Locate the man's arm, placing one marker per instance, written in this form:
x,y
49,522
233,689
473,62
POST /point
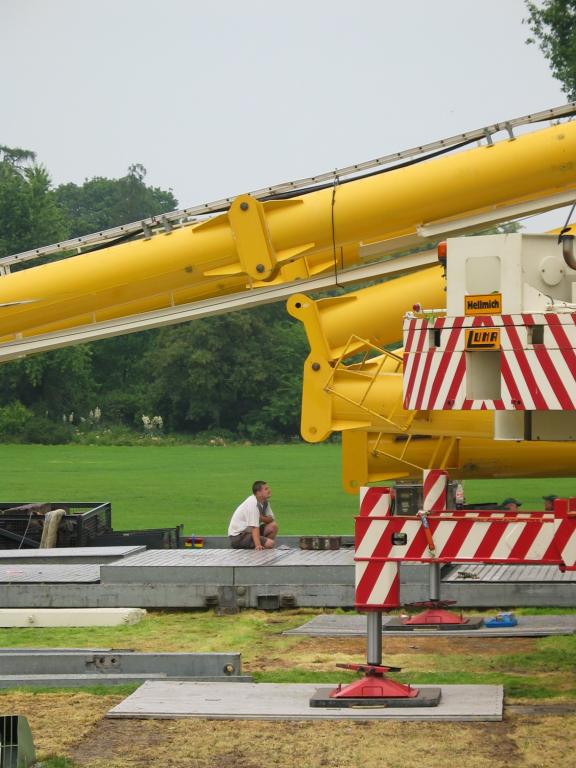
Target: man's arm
x,y
265,519
256,538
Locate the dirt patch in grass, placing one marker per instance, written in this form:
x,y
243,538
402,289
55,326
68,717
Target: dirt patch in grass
x,y
58,721
312,652
246,744
558,709
492,646
545,742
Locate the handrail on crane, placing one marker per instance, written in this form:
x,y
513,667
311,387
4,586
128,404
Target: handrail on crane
x,y
188,216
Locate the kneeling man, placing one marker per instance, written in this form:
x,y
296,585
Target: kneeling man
x,y
253,525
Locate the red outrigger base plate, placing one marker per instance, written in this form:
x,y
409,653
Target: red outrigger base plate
x,y
374,686
436,616
375,690
430,622
419,697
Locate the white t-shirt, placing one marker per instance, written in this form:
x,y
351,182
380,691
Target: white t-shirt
x,y
246,515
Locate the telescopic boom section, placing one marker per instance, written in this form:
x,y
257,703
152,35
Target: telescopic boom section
x,y
372,457
256,244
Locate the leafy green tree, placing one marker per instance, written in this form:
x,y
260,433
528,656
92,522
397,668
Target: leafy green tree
x,y
29,214
121,377
553,24
76,379
102,203
239,372
52,385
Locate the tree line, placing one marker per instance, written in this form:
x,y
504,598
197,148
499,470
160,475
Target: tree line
x,y
231,376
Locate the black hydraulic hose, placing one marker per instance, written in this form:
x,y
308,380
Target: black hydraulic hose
x,y
306,190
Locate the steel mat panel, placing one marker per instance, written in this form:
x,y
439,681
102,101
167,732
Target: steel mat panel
x,y
48,574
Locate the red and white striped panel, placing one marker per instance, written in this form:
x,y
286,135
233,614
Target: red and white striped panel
x,y
376,562
375,502
533,376
525,538
434,490
377,585
565,511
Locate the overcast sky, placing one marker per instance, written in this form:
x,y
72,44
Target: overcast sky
x,y
215,99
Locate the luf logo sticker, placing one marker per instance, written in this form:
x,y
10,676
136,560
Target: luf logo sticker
x,y
483,338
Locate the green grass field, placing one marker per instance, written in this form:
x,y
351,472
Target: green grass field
x,y
199,486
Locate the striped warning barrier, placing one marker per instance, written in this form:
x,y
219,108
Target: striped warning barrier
x,y
375,502
434,490
505,537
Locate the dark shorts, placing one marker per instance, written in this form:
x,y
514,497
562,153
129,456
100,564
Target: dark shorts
x,y
244,540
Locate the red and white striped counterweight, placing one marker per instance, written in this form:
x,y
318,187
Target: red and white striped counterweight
x,y
493,362
507,339
384,541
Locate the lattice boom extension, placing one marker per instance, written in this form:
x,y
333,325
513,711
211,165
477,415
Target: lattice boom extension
x,y
485,536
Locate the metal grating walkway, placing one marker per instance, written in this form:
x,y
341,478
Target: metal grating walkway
x,y
67,555
49,574
508,573
235,558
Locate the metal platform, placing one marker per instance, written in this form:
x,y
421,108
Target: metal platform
x,y
233,566
67,555
282,701
482,586
327,625
48,574
505,574
268,579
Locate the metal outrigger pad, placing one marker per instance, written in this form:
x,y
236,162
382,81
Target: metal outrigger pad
x,y
374,689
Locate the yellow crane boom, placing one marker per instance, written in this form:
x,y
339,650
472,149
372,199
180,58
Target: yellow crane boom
x,y
255,243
